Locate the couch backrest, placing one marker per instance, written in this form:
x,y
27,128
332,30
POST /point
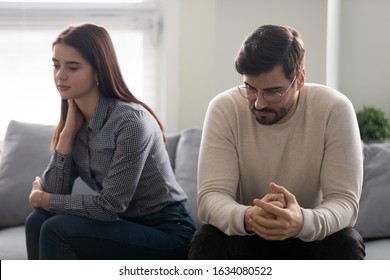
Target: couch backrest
x,y
184,153
25,153
1,148
172,140
373,219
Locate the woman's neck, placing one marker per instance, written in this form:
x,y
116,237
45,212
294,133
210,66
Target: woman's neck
x,y
87,106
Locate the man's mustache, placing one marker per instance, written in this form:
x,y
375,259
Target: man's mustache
x,y
263,110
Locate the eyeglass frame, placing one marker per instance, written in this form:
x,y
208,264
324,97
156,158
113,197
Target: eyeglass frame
x,y
246,87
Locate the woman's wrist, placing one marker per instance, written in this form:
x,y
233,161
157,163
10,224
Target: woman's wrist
x,y
36,198
67,134
65,143
40,199
44,201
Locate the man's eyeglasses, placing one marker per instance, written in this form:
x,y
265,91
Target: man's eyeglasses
x,y
270,96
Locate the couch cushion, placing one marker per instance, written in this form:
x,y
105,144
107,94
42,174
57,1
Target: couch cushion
x,y
26,153
13,243
374,219
378,249
186,167
172,140
1,148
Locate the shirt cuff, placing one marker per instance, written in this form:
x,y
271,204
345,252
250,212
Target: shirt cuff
x,y
307,232
61,161
56,204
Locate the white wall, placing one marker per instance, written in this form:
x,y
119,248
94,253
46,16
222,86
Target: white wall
x,y
210,34
364,65
197,60
235,19
347,47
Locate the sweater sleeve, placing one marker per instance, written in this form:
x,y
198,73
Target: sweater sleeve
x,y
218,171
341,177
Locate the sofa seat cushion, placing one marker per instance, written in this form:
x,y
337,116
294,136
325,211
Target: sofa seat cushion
x,y
13,243
378,249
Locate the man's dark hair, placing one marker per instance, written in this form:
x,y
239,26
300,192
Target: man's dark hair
x,y
268,46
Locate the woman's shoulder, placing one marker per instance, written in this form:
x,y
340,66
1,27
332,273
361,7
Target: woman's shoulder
x,y
128,112
131,116
128,109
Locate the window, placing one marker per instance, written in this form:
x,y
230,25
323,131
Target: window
x,y
27,29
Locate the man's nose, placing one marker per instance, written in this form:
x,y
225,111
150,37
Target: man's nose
x,y
260,102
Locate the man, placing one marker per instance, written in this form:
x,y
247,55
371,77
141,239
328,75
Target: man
x,y
280,164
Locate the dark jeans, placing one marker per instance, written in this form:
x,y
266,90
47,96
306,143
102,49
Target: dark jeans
x,y
210,243
162,235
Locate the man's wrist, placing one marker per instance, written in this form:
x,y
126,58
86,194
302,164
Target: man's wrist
x,y
247,221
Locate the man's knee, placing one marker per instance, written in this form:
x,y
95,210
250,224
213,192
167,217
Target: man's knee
x,y
345,244
210,243
207,243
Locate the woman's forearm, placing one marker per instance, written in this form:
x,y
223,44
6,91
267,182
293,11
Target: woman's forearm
x,y
65,143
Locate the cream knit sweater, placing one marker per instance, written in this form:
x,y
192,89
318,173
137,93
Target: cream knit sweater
x,y
316,155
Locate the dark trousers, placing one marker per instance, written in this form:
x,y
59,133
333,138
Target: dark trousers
x,y
162,235
209,243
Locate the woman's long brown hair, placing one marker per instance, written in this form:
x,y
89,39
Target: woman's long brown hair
x,y
94,43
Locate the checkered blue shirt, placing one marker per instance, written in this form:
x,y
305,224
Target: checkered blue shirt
x,y
122,156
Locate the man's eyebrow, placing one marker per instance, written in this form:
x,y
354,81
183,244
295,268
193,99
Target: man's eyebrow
x,y
265,89
249,85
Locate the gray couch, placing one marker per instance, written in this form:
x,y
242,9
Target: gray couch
x,y
24,153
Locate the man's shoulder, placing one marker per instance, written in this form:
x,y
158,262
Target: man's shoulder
x,y
322,93
228,98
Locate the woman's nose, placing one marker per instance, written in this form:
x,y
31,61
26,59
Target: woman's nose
x,y
61,75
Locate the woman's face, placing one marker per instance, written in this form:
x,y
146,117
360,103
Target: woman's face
x,y
74,77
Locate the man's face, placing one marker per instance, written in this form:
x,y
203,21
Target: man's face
x,y
268,113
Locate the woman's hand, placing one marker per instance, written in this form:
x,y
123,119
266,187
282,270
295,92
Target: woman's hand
x,y
38,197
36,194
74,121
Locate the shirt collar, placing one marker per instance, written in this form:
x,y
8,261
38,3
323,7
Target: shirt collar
x,y
101,114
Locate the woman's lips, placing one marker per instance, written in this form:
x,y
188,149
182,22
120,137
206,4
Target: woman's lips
x,y
62,87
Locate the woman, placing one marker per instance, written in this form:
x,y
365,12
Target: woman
x,y
115,143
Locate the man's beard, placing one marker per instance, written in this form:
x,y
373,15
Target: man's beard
x,y
280,114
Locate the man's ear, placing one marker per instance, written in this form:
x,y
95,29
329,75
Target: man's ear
x,y
301,78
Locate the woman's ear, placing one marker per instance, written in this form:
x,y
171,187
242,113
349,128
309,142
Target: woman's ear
x,y
96,79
